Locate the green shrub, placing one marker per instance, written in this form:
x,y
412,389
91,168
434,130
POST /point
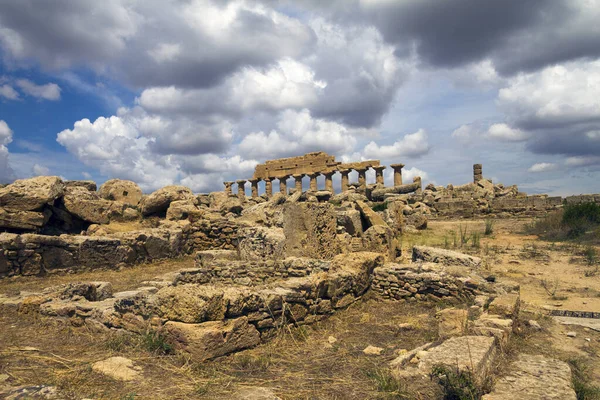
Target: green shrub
x,y
489,227
386,383
157,342
456,384
583,381
379,206
572,222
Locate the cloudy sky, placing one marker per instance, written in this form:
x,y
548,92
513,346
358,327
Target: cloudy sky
x,y
199,91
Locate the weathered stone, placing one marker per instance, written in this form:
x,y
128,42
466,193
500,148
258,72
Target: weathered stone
x,y
31,194
159,201
89,185
507,305
119,368
183,209
466,353
350,221
260,243
124,191
369,215
419,221
89,207
534,377
372,350
446,257
191,303
452,322
23,220
379,194
213,339
255,393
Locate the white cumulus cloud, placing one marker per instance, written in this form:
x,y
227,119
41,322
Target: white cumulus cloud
x,y
507,133
411,145
49,91
543,167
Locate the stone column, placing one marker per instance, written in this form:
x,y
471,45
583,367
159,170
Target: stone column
x,y
417,179
298,178
362,178
228,191
283,184
241,189
269,187
329,182
379,174
344,173
313,181
254,183
397,173
477,173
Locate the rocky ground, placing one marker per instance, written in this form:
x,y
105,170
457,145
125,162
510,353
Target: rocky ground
x,y
347,356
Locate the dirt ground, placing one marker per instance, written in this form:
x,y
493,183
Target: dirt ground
x,y
322,361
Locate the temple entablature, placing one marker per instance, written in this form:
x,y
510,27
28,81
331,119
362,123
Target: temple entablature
x,y
314,165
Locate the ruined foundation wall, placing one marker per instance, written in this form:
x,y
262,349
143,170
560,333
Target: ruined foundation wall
x,y
411,282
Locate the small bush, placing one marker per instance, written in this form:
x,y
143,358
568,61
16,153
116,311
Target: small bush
x,y
582,381
380,207
456,384
386,383
464,237
489,227
157,342
476,240
590,254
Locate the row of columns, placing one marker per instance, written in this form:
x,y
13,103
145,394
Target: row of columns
x,y
362,181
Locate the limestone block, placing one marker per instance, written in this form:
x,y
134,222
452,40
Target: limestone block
x,y
89,207
206,258
507,305
89,185
183,209
261,243
158,202
534,377
127,192
23,220
452,322
443,256
119,368
350,221
467,353
213,339
369,215
190,303
31,194
255,393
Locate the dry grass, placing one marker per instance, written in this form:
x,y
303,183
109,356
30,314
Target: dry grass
x,y
299,363
121,279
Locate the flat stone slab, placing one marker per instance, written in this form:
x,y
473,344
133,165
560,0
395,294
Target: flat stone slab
x,y
591,323
467,353
119,368
535,378
443,256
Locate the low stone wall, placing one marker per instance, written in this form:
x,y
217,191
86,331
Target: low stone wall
x,y
250,273
210,320
32,254
424,281
218,233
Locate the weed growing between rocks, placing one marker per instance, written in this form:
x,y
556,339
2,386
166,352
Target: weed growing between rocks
x,y
582,380
489,227
579,222
387,384
456,384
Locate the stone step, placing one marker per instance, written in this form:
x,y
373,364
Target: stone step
x,y
535,377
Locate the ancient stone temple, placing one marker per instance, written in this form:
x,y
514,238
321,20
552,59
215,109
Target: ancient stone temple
x,y
312,165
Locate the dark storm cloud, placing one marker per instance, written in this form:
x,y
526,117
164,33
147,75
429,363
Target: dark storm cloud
x,y
149,43
517,35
